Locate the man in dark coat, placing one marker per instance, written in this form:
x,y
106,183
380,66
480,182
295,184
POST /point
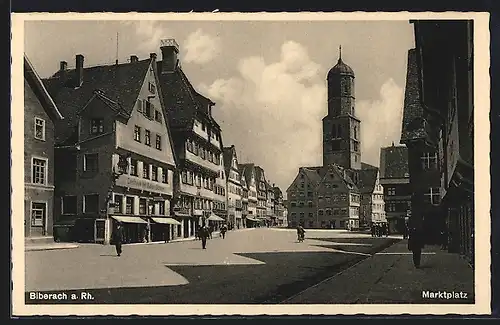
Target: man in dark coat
x,y
416,243
204,234
118,238
223,230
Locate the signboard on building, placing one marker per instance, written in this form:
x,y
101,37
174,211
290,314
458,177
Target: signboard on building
x,y
142,184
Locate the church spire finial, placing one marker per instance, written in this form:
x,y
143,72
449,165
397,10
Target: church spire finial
x,y
340,52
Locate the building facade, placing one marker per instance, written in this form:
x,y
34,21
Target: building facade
x,y
248,170
372,207
279,207
198,146
440,134
261,187
233,188
270,217
114,115
395,178
244,197
40,113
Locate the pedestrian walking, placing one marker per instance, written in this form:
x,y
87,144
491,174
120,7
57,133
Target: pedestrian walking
x,y
373,229
416,244
223,230
204,234
118,238
211,230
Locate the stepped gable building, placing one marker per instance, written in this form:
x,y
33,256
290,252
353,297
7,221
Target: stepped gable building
x,y
116,150
244,195
329,196
200,185
395,178
40,115
261,188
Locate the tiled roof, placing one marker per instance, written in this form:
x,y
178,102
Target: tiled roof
x,y
312,174
247,169
366,180
413,112
394,162
121,83
36,84
181,99
367,166
227,155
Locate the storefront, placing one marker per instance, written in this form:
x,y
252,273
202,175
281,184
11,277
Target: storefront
x,y
135,229
251,222
163,228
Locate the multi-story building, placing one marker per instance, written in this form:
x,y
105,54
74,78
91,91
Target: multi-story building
x,y
244,196
372,208
270,217
233,187
261,185
279,208
423,162
395,178
116,150
198,145
333,190
248,170
438,128
40,114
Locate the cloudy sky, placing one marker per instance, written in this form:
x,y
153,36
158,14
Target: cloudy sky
x,y
268,79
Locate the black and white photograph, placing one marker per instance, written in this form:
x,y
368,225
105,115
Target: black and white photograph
x,y
250,163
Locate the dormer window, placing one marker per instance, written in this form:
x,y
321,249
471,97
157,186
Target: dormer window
x,y
96,126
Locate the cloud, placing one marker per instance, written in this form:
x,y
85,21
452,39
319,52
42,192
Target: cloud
x,y
150,34
272,112
201,48
380,121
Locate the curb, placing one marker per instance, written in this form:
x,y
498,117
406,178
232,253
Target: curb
x,y
48,248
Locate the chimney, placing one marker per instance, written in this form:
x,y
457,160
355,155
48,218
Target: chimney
x,y
169,51
79,70
63,66
152,56
134,59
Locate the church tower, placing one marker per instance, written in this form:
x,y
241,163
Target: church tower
x,y
341,128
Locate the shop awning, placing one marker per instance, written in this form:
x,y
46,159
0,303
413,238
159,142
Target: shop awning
x,y
252,219
166,221
213,217
127,219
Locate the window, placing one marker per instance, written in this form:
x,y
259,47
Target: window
x,y
38,214
355,130
391,207
39,171
311,215
129,205
142,206
68,204
328,212
302,215
148,109
147,137
356,146
391,191
133,167
39,129
335,145
164,176
184,176
154,173
118,203
161,208
429,160
137,133
309,193
339,131
158,142
145,170
433,196
91,162
152,88
320,212
157,116
91,203
96,126
309,204
334,131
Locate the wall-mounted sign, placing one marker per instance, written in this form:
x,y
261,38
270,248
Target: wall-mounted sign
x,y
142,184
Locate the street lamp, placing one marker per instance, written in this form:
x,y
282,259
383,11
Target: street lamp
x,y
122,168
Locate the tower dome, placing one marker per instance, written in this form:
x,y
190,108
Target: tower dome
x,y
340,68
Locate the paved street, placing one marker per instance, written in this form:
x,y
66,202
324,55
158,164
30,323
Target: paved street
x,y
250,266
